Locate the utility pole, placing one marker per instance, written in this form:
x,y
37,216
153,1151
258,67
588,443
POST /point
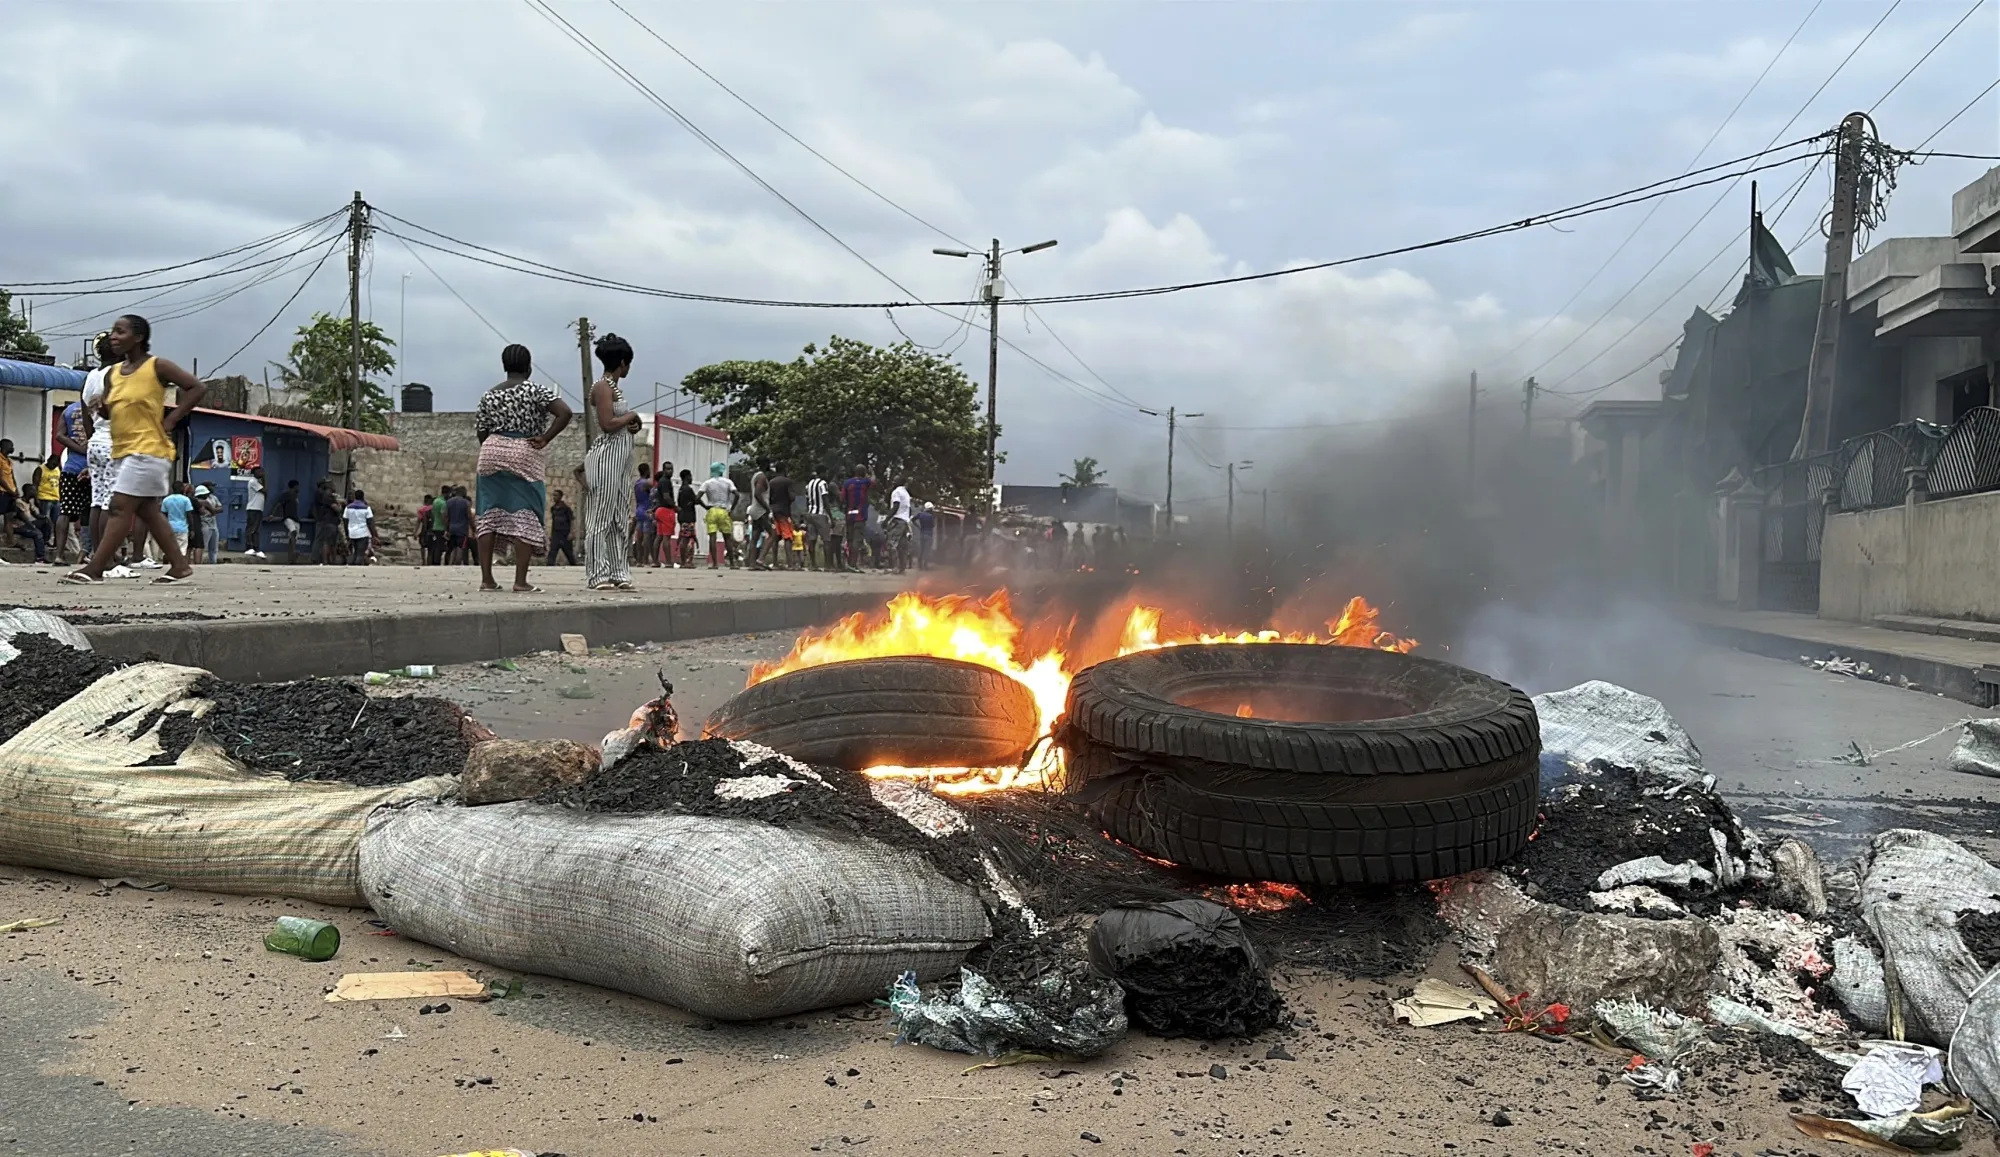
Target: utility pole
x,y
992,293
1264,519
583,360
1471,430
1816,430
991,290
1528,408
1229,519
1173,416
357,235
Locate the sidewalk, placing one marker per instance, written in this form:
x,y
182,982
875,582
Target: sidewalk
x,y
264,623
1961,668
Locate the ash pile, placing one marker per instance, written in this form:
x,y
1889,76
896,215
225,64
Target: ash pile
x,y
1644,915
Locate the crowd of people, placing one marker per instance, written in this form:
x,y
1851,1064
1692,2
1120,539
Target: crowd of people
x,y
110,489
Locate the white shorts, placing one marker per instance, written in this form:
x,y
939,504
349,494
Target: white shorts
x,y
141,475
99,457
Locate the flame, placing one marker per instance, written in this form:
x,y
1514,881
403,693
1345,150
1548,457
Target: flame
x,y
988,633
1266,896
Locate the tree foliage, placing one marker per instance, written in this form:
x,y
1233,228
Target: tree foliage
x,y
1083,474
14,332
321,364
909,414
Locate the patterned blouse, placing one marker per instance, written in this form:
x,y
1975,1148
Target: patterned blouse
x,y
514,410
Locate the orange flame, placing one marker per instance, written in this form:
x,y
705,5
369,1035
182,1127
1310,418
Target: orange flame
x,y
1267,896
988,633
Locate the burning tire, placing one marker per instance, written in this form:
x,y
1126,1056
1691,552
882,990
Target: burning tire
x,y
1307,764
909,711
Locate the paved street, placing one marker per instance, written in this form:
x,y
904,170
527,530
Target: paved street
x,y
153,1023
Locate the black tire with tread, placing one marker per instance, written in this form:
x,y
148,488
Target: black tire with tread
x,y
910,710
1448,786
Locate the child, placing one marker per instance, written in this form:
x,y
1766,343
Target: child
x,y
663,534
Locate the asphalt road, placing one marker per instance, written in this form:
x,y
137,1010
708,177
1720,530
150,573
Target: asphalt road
x,y
1772,732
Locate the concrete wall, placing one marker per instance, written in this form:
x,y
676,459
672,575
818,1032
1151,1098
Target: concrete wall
x,y
1926,362
1935,558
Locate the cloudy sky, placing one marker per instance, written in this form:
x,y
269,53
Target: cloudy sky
x,y
1158,142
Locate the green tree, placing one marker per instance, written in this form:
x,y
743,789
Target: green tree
x,y
322,365
14,332
909,414
1083,474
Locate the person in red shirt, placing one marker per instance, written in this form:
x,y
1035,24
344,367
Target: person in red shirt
x,y
663,527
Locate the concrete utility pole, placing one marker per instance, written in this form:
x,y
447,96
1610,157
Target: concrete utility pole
x,y
992,289
1816,430
1264,520
583,360
357,235
1471,429
1528,407
1229,519
1172,421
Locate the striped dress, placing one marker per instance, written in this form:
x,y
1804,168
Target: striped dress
x,y
605,502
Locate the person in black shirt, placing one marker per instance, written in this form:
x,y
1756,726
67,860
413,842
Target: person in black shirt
x,y
779,542
560,517
287,515
687,512
327,535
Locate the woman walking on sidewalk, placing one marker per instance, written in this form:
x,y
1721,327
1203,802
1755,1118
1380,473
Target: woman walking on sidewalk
x,y
517,420
604,470
142,448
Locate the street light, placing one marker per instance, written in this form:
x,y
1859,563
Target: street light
x,y
992,290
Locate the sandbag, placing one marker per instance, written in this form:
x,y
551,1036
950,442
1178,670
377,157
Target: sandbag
x,y
25,620
726,918
75,798
1975,1048
1599,720
1913,886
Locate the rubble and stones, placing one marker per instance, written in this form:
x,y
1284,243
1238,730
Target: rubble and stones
x,y
41,677
500,770
324,730
1602,819
1579,959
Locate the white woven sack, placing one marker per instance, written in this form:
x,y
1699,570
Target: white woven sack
x,y
74,798
726,918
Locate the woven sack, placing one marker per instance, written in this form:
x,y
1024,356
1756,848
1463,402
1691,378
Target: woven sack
x,y
727,918
74,798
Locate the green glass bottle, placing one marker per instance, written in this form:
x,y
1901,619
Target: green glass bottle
x,y
304,938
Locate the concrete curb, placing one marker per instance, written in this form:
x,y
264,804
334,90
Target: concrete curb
x,y
273,650
1958,681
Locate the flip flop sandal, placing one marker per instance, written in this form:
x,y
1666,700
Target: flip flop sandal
x,y
79,579
527,590
167,580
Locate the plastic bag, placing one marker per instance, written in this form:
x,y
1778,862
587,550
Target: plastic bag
x,y
1065,1012
1187,969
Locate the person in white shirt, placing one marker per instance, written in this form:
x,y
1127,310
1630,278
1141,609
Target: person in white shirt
x,y
902,524
360,530
97,453
253,515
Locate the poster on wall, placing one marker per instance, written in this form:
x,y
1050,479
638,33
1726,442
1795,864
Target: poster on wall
x,y
246,452
218,453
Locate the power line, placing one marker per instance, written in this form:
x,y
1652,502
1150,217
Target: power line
x,y
1689,232
263,241
761,115
281,309
1976,6
190,306
191,280
556,380
1606,264
1961,112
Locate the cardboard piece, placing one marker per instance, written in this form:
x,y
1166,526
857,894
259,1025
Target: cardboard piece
x,y
1435,1002
403,985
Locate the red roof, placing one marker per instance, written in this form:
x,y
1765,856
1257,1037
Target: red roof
x,y
336,437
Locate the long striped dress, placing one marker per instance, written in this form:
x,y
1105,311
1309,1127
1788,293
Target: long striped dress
x,y
606,500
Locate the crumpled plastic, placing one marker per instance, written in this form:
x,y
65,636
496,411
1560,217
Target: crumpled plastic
x,y
981,1019
1938,1129
1890,1079
1657,1034
1187,968
655,725
1657,872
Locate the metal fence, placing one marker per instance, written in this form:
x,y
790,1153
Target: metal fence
x,y
1968,456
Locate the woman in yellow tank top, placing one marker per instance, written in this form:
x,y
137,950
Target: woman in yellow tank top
x,y
142,448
